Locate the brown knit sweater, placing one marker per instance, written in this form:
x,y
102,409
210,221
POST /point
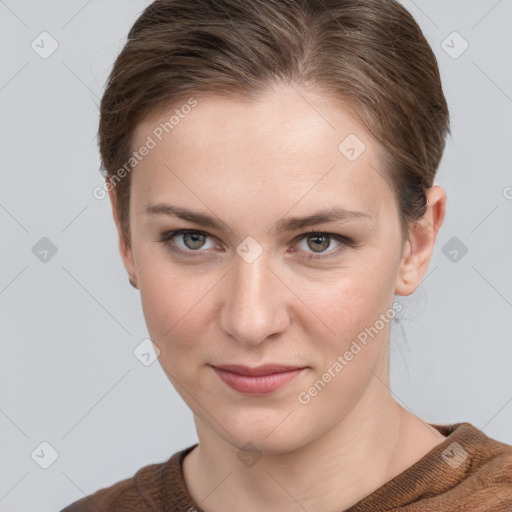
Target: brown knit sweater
x,y
467,472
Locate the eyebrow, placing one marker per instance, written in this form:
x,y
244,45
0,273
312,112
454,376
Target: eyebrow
x,y
284,225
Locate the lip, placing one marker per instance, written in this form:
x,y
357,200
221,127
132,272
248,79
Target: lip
x,y
259,380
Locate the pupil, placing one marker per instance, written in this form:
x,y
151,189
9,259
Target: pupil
x,y
324,245
195,241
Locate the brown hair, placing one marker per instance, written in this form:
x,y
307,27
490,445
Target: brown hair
x,y
369,54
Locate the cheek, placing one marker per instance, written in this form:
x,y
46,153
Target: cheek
x,y
358,310
174,302
344,302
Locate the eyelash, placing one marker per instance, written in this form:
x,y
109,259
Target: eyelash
x,y
166,240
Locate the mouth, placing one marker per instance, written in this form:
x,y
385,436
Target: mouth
x,y
259,380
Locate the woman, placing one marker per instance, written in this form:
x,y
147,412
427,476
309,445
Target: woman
x,y
271,169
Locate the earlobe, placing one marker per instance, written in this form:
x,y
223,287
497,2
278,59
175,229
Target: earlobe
x,y
124,249
420,244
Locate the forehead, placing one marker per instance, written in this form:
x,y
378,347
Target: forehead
x,y
286,144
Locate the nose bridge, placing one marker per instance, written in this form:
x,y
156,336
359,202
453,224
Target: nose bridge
x,y
252,308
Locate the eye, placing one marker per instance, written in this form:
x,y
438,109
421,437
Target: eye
x,y
319,241
192,241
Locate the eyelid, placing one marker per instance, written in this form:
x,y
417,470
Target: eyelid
x,y
166,239
312,256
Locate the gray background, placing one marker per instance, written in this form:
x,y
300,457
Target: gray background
x,y
70,324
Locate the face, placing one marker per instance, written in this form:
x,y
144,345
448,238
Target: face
x,y
249,286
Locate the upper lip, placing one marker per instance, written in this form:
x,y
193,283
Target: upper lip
x,y
259,370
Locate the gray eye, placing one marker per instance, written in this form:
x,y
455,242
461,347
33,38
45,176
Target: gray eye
x,y
193,240
320,242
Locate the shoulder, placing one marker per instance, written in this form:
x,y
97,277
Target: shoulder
x,y
467,471
481,468
125,495
148,490
491,462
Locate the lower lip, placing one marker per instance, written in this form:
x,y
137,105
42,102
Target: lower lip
x,y
257,384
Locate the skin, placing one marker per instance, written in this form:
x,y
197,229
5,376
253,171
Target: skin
x,y
250,165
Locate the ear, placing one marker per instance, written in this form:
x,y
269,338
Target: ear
x,y
124,248
420,243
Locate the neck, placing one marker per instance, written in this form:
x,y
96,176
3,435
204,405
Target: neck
x,y
375,442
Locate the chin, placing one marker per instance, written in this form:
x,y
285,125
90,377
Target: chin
x,y
272,437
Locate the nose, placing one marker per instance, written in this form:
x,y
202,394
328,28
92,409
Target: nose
x,y
255,305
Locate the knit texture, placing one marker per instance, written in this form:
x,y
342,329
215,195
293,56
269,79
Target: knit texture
x,y
467,472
